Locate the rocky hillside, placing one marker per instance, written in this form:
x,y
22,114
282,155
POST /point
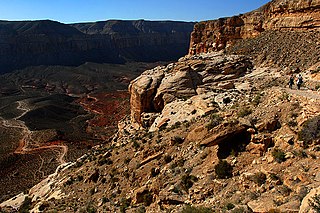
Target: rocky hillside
x,y
212,132
276,16
30,43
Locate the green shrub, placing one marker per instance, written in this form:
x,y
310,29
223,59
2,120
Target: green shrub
x,y
167,158
124,204
256,100
187,181
25,207
177,140
230,206
223,169
259,178
310,130
135,144
215,120
278,155
244,112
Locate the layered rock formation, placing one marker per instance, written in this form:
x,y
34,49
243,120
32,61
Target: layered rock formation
x,y
278,15
27,43
191,76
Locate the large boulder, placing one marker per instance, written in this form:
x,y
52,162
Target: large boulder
x,y
177,82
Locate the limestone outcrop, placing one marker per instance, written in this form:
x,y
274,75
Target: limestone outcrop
x,y
172,84
277,15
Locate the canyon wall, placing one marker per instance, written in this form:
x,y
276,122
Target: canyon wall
x,y
277,15
31,43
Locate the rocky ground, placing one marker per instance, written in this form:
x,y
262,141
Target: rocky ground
x,y
254,148
283,49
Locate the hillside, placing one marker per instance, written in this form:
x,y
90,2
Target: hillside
x,y
217,131
45,42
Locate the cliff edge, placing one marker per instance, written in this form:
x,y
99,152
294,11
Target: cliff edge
x,y
277,15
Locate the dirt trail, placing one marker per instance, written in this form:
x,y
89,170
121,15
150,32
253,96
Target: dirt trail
x,y
305,93
26,133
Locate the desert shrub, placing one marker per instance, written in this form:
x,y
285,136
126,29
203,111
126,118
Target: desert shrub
x,y
230,206
124,204
25,207
192,209
310,130
300,153
127,160
317,87
187,181
104,161
244,112
256,100
292,123
259,178
135,144
147,199
167,158
177,140
223,169
284,97
278,155
284,190
215,120
141,209
314,202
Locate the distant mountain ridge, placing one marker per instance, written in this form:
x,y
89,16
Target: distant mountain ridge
x,y
46,42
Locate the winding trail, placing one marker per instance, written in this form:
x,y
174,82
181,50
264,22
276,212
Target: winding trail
x,y
304,92
27,140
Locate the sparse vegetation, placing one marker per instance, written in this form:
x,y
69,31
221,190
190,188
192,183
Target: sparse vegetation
x,y
223,169
310,131
187,181
215,120
256,100
244,111
259,178
278,155
25,207
230,206
177,140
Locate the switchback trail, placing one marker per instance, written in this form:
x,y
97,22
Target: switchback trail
x,y
26,140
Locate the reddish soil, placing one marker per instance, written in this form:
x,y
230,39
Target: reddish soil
x,y
108,109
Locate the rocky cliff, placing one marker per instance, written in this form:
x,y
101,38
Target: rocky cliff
x,y
277,15
29,43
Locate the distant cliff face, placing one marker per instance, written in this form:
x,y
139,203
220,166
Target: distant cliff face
x,y
278,15
27,43
144,40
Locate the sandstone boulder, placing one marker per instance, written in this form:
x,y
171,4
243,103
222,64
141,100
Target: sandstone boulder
x,y
305,204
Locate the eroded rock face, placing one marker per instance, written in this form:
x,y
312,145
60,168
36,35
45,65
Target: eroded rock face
x,y
177,82
45,42
277,15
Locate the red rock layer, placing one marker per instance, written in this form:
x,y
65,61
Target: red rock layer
x,y
277,15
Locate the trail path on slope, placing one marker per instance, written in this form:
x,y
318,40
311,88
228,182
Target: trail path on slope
x,y
26,139
304,93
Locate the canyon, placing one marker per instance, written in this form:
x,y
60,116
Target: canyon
x,y
46,42
218,130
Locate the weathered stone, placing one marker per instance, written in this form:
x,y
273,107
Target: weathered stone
x,y
224,132
226,85
218,34
305,206
262,205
